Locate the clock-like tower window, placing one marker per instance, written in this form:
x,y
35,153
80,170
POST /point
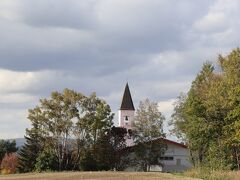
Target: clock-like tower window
x,y
126,118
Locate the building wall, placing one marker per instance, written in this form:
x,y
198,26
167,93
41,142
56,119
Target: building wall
x,y
179,163
126,124
180,160
121,119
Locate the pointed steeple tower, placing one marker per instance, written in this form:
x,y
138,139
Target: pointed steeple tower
x,y
127,103
126,111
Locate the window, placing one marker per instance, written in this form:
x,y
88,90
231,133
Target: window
x,y
126,124
126,118
129,134
167,158
178,162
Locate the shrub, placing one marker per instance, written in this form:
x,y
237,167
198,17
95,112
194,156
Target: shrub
x,y
46,161
88,163
9,163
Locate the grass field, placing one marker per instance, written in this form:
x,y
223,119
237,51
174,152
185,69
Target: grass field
x,y
94,176
212,175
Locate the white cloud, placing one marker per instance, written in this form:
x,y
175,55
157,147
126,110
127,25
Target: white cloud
x,y
219,26
16,98
15,81
9,9
166,106
13,123
222,15
212,22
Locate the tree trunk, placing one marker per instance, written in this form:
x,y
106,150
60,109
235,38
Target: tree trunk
x,y
193,161
237,158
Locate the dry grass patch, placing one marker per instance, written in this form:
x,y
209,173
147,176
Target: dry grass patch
x,y
213,175
95,176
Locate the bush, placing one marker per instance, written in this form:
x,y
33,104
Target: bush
x,y
46,161
9,163
88,163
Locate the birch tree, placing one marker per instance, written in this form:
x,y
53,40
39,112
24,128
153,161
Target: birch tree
x,y
67,125
148,126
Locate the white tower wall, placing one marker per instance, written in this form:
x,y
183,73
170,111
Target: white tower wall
x,y
126,122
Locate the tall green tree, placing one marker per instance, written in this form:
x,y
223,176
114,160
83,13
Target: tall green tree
x,y
108,152
117,139
54,118
190,115
148,126
109,149
28,154
208,116
65,126
198,116
95,118
230,66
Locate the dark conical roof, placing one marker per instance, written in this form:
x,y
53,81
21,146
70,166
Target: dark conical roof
x,y
127,103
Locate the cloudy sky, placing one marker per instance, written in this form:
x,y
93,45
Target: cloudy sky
x,y
158,46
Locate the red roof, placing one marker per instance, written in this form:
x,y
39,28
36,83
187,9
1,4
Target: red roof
x,y
173,142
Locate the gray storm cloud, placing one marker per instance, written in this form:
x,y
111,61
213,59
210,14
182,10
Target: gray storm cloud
x,y
99,45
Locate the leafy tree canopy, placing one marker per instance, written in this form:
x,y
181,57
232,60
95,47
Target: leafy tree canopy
x,y
208,116
148,126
